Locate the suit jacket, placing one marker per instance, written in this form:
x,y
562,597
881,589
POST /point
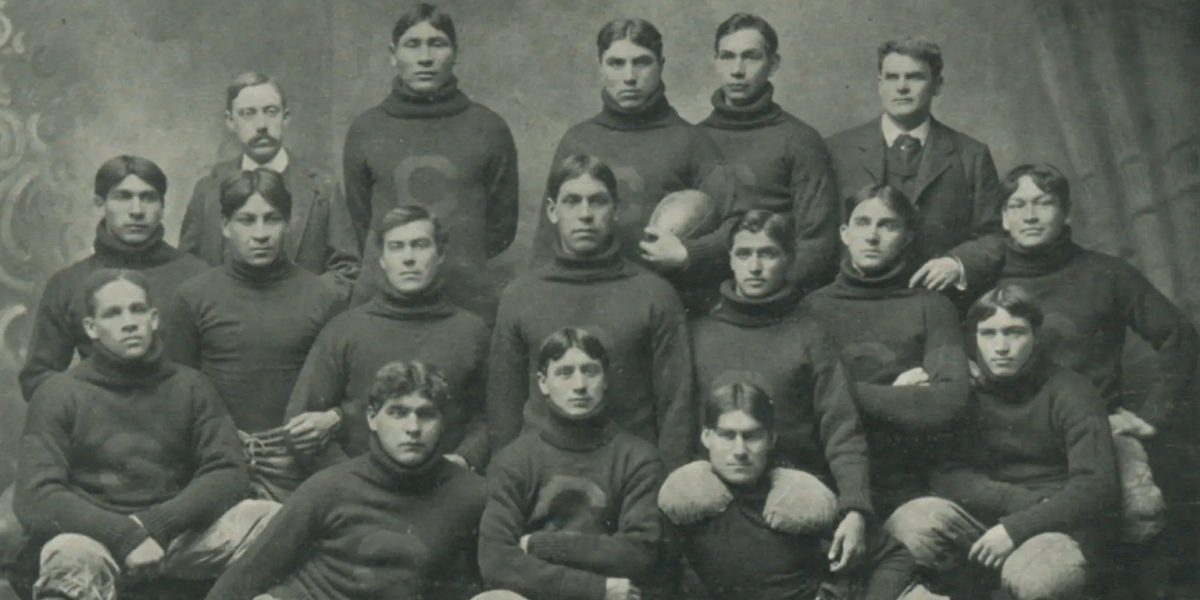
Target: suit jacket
x,y
957,189
320,236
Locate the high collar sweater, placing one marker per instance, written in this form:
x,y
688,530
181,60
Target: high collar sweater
x,y
788,351
1090,300
781,165
584,491
450,154
367,528
883,328
115,437
653,152
639,318
249,330
58,325
1037,456
351,349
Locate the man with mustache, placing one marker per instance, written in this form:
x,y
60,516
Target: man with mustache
x,y
130,192
129,470
320,237
948,176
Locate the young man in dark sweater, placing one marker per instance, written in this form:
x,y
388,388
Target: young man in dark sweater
x,y
129,469
949,176
902,347
409,319
570,513
428,143
1029,492
751,532
759,328
320,237
249,324
589,284
399,521
653,152
130,191
780,162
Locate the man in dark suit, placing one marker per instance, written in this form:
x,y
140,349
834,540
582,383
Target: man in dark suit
x,y
320,236
948,176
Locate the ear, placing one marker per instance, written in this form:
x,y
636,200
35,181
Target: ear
x,y
287,113
844,234
372,416
89,327
225,227
909,236
229,122
552,210
937,85
154,319
706,438
543,384
392,55
98,200
773,65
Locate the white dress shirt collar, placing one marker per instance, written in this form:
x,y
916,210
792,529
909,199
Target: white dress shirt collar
x,y
277,164
891,130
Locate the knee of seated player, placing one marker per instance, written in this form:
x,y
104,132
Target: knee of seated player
x,y
76,566
935,530
498,595
205,553
1048,565
1143,510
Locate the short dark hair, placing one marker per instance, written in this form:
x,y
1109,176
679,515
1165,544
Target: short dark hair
x,y
238,187
639,31
424,12
102,277
740,395
116,169
559,342
398,379
251,79
578,165
1047,177
891,197
411,213
777,226
1014,299
740,21
917,48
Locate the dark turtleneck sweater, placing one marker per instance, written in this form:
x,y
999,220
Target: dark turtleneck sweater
x,y
639,318
450,154
1090,301
882,329
653,152
115,437
249,330
791,353
367,528
58,325
782,166
585,493
429,328
1037,455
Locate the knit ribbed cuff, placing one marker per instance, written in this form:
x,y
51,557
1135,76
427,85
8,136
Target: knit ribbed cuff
x,y
581,584
162,524
553,546
1019,529
121,536
704,250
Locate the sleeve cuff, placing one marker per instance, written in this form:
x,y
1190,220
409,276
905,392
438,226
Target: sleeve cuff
x,y
703,250
122,538
161,524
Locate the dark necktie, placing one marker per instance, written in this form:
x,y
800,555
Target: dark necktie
x,y
909,151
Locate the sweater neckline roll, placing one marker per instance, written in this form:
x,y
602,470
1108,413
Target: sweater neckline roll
x,y
110,371
384,470
654,113
605,266
759,112
279,270
1023,385
1022,262
403,103
576,434
430,303
757,312
891,283
115,253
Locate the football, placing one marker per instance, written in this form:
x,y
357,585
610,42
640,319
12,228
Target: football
x,y
686,213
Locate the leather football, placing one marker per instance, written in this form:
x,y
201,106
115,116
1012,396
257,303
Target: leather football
x,y
686,213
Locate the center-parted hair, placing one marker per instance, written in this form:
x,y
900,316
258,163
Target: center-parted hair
x,y
558,343
425,12
638,31
251,79
102,277
892,198
411,213
240,186
116,169
740,21
578,165
399,379
778,227
1012,298
1047,177
741,396
917,48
